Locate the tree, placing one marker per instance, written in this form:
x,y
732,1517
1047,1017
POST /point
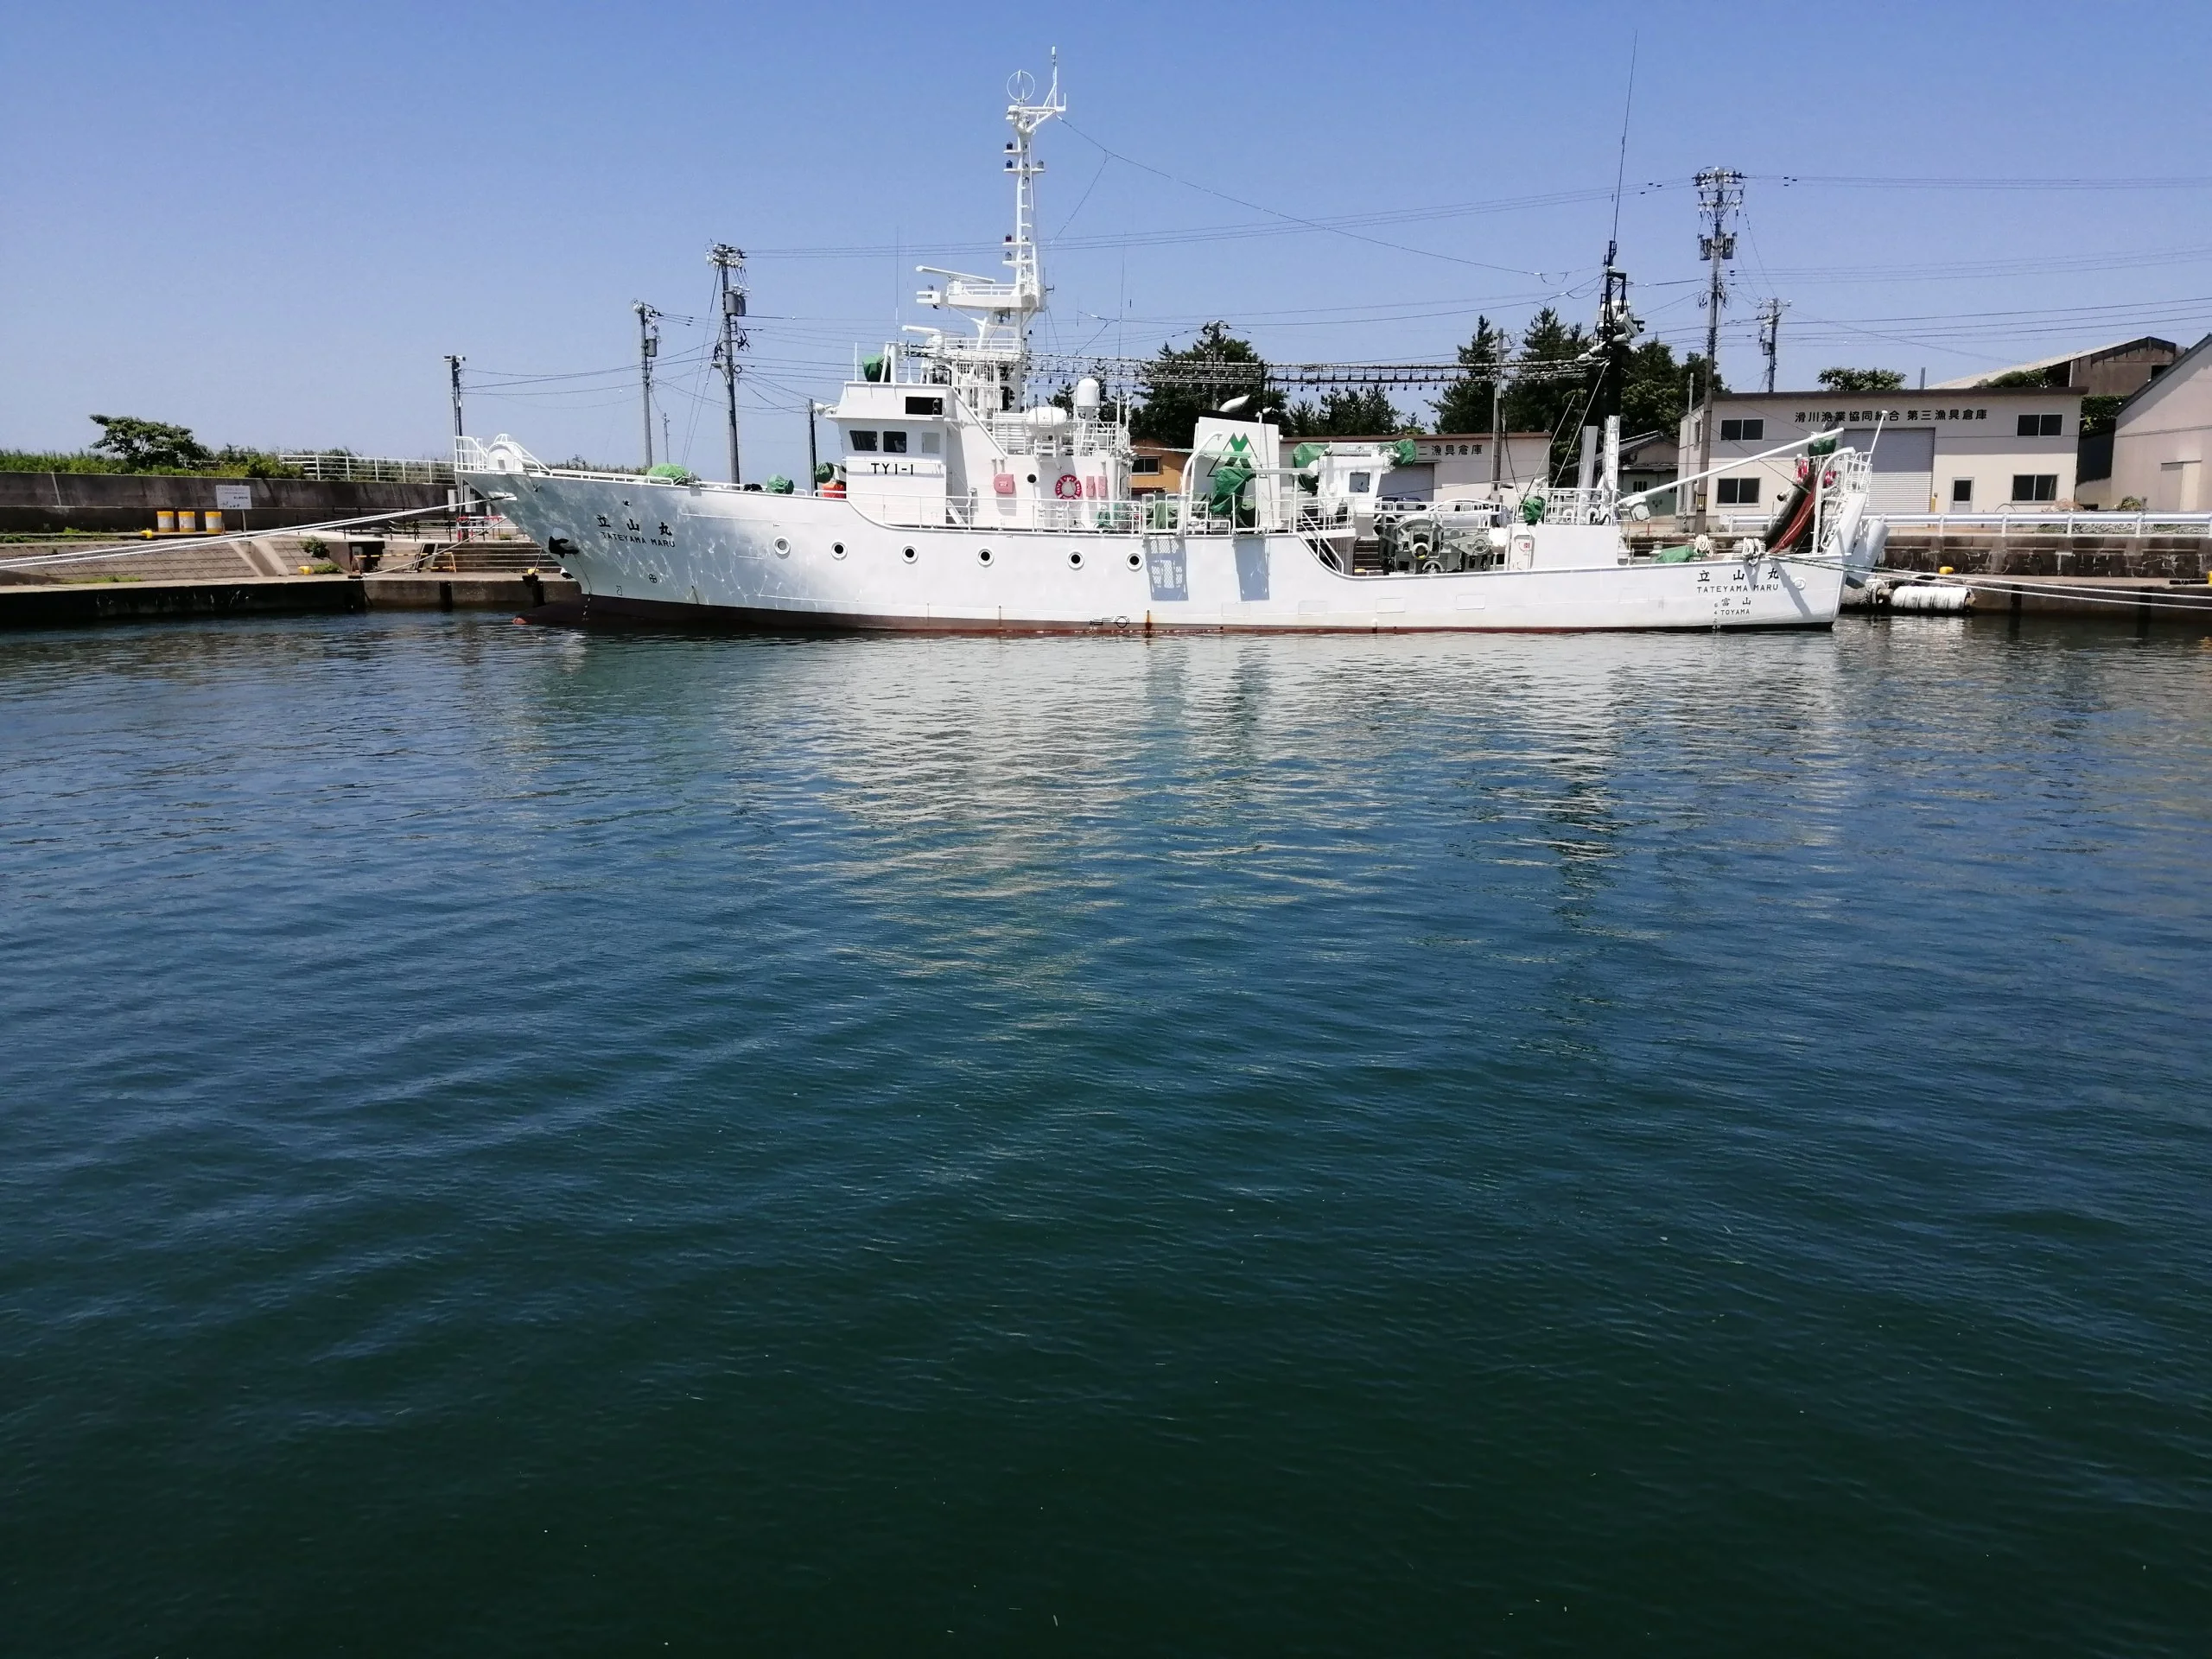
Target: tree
x,y
1656,389
1465,404
1851,380
1548,403
2099,413
1173,398
1346,413
147,446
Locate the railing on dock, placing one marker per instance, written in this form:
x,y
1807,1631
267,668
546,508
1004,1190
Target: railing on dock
x,y
331,467
2131,525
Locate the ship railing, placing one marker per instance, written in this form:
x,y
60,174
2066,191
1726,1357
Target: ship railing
x,y
1018,437
988,513
1470,515
917,511
1592,506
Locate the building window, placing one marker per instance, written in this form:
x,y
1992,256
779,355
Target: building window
x,y
926,405
1145,465
1962,491
1742,431
2035,487
894,443
1740,491
2038,426
863,440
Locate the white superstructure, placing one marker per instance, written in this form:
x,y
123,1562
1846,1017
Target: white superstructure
x,y
954,501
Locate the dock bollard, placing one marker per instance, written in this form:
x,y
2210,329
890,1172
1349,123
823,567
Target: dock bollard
x,y
213,520
165,518
187,521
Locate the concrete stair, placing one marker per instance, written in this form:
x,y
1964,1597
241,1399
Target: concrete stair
x,y
176,561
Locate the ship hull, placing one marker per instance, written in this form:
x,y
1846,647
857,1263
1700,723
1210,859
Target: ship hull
x,y
708,557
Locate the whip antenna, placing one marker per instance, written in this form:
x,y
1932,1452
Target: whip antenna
x,y
1620,173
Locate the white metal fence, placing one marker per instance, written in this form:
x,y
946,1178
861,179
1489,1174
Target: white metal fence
x,y
330,467
2130,525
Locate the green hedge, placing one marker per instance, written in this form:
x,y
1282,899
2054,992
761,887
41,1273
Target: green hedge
x,y
230,463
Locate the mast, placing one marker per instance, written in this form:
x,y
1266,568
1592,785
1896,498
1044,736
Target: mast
x,y
1616,328
992,369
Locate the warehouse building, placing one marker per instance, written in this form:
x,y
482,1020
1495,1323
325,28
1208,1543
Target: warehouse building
x,y
1987,450
1458,466
2159,441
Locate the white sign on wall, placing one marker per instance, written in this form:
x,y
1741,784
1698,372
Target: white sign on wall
x,y
233,497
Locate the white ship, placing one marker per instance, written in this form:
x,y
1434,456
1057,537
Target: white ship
x,y
955,502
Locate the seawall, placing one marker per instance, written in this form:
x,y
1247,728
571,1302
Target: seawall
x,y
33,503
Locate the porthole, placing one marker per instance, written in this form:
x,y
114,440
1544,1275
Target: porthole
x,y
984,556
907,554
1032,478
783,547
836,550
1136,561
1075,560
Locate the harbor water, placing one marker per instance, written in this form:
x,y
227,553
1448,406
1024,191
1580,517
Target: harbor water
x,y
524,1142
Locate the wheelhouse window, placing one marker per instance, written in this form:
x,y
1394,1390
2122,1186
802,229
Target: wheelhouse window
x,y
894,442
2035,487
1740,491
1361,483
861,439
926,405
1742,431
2039,426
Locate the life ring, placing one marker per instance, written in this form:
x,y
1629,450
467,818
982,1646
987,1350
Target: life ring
x,y
1067,486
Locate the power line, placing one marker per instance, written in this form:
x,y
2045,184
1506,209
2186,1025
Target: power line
x,y
1849,181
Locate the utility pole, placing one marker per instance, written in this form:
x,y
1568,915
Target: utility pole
x,y
455,496
453,368
1497,432
1771,335
1720,192
648,349
726,259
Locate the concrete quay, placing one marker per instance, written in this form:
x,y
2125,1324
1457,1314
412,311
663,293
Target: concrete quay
x,y
65,605
2123,599
2111,598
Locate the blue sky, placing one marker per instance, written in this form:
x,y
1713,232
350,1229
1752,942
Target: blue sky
x,y
271,222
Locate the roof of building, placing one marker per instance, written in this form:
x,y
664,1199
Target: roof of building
x,y
1152,447
1419,437
2169,375
1898,394
1973,382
